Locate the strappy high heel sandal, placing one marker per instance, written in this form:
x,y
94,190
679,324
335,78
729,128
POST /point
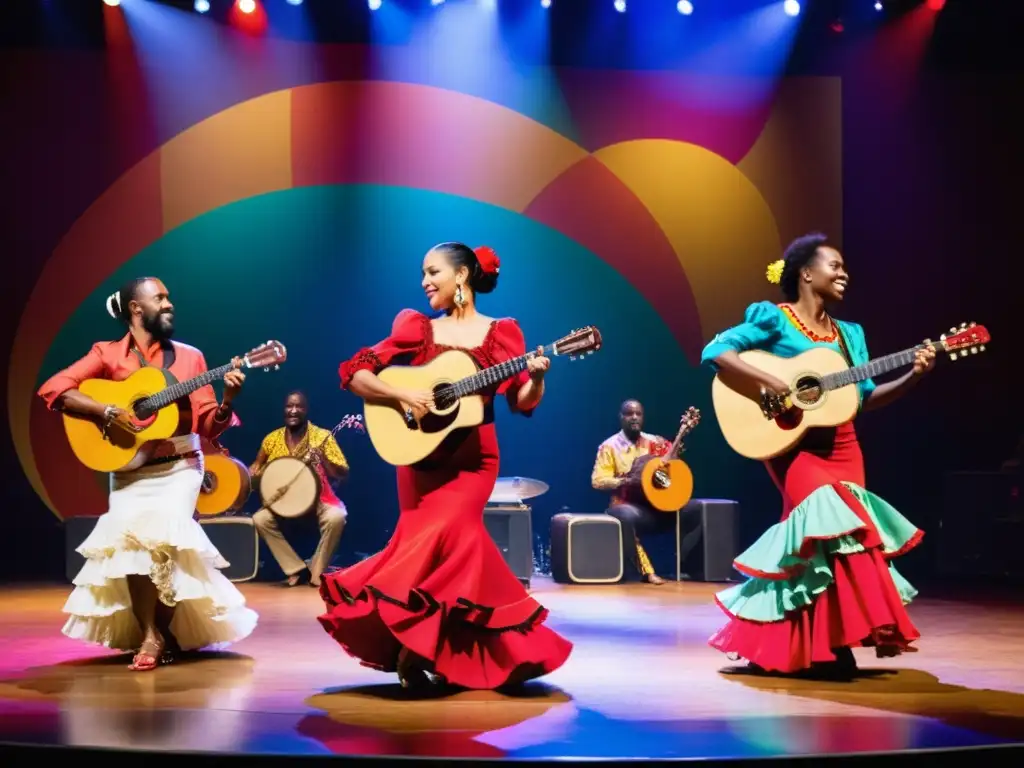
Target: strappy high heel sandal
x,y
145,661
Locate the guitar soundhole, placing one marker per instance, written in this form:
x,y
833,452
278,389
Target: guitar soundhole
x,y
209,482
140,413
444,397
807,390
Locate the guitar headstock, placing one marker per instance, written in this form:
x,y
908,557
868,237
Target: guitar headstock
x,y
272,353
967,339
582,341
690,419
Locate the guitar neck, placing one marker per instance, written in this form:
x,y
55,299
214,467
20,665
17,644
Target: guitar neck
x,y
873,368
495,374
677,443
182,389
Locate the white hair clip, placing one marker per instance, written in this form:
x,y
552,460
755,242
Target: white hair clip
x,y
114,305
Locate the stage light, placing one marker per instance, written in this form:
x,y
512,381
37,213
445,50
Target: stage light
x,y
436,2
545,3
685,7
878,5
791,7
112,3
294,2
247,6
201,6
490,5
373,5
620,6
936,5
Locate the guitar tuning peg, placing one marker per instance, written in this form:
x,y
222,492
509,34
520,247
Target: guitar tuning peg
x,y
982,347
974,350
942,337
963,325
277,367
973,323
265,369
953,329
952,355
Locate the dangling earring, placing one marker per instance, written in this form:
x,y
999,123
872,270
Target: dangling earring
x,y
460,300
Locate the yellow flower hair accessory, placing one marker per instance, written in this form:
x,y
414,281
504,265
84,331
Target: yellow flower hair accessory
x,y
775,271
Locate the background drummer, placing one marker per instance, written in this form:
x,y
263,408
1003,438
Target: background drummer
x,y
297,438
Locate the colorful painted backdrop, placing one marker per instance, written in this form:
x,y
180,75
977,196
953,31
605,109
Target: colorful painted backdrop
x,y
289,190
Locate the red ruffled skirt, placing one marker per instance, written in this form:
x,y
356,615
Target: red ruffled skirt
x,y
441,587
834,577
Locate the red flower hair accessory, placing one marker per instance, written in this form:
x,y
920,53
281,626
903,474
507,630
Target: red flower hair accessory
x,y
488,259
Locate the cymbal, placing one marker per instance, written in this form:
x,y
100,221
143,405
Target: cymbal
x,y
511,489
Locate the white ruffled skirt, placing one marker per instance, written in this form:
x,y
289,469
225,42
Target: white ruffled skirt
x,y
149,530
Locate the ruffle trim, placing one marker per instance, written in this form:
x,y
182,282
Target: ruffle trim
x,y
421,608
211,612
790,565
765,601
844,511
364,360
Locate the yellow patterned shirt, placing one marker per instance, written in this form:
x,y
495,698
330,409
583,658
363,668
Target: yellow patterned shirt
x,y
615,457
275,446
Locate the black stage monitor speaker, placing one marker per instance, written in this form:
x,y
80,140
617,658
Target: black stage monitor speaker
x,y
709,539
511,528
76,530
238,542
586,549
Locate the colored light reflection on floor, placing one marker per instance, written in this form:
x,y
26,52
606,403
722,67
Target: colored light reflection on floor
x,y
641,683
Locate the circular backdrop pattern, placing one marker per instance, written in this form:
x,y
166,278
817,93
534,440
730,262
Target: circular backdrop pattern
x,y
660,217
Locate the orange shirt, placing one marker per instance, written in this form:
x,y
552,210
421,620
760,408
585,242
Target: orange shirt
x,y
115,360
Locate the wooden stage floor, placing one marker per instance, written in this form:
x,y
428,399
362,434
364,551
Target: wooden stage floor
x,y
641,683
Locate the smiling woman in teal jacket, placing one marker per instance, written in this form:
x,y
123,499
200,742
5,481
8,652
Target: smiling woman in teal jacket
x,y
821,581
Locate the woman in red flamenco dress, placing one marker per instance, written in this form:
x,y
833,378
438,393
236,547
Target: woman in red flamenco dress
x,y
822,581
439,604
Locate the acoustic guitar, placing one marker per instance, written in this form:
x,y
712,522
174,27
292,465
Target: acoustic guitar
x,y
455,380
664,483
226,485
821,392
150,396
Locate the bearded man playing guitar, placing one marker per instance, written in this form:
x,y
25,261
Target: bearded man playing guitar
x,y
298,437
151,580
615,458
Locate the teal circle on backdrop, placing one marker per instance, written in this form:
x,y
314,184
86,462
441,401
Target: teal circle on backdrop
x,y
326,269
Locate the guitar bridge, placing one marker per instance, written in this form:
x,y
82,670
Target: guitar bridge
x,y
410,420
773,406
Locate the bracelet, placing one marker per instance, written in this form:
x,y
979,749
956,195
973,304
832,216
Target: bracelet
x,y
108,413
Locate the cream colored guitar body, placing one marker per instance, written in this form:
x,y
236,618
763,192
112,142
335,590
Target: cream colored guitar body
x,y
737,402
401,444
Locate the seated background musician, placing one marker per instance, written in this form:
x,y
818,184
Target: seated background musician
x,y
297,437
615,457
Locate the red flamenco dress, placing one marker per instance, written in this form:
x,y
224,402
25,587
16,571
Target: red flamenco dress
x,y
440,587
821,581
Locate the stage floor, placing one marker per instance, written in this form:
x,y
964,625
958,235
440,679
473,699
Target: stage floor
x,y
641,683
